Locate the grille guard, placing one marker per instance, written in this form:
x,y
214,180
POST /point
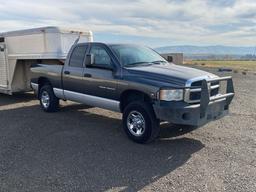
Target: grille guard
x,y
205,94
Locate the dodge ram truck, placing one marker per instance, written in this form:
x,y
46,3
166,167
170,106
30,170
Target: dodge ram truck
x,y
136,81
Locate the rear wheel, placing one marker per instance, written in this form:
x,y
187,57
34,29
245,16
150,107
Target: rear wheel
x,y
48,101
140,123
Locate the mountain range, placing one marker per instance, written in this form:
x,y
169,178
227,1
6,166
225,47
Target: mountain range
x,y
208,50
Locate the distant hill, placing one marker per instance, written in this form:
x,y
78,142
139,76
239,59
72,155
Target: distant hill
x,y
208,50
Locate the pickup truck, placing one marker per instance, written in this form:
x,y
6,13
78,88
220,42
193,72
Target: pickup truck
x,y
136,81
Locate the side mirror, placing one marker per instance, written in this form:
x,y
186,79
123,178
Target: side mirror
x,y
89,60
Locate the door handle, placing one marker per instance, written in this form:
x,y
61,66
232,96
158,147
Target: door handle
x,y
66,72
87,75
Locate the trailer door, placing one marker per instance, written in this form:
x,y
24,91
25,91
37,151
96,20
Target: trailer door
x,y
3,66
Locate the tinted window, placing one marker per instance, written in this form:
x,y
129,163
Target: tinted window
x,y
77,57
101,56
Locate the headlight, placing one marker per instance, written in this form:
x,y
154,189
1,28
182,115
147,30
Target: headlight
x,y
171,95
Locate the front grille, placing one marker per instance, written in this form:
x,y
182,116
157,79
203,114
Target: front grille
x,y
196,84
193,94
215,92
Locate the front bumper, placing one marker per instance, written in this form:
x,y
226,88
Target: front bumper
x,y
209,108
183,114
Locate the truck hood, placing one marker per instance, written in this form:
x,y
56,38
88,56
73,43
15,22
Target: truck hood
x,y
168,73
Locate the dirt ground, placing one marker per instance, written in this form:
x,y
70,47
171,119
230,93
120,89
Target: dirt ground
x,y
85,149
235,65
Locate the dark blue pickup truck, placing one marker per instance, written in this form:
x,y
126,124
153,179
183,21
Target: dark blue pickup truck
x,y
135,81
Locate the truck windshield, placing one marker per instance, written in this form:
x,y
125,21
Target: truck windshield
x,y
134,55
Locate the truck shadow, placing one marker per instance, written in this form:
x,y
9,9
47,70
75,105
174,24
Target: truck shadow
x,y
77,150
169,130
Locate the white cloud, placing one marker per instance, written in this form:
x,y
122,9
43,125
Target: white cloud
x,y
186,21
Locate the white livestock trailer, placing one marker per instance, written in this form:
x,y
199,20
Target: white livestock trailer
x,y
20,49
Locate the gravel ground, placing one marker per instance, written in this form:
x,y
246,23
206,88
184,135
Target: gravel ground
x,y
85,149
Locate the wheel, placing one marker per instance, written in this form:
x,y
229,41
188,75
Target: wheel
x,y
140,123
48,101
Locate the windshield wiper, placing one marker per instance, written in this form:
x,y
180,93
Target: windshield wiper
x,y
145,63
138,63
158,62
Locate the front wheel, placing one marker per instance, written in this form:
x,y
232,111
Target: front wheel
x,y
48,101
140,123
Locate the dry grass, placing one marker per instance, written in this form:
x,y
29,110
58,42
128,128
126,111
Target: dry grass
x,y
236,65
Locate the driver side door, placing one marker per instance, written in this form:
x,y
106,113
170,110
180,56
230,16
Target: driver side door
x,y
99,78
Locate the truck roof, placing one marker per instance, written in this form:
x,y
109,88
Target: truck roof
x,y
49,29
112,44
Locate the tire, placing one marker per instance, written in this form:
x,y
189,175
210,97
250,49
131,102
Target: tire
x,y
140,123
48,101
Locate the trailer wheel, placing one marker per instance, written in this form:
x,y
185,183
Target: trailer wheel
x,y
140,123
48,101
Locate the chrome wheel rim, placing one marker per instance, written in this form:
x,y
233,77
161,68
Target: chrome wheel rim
x,y
45,99
136,123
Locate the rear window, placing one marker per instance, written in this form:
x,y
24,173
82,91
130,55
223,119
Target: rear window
x,y
77,57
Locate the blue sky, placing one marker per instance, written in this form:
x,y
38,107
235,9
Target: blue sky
x,y
150,22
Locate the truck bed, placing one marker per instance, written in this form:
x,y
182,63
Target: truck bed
x,y
51,72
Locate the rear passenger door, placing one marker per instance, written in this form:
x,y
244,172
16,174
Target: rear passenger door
x,y
73,72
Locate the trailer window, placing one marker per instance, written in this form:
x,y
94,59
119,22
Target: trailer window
x,y
77,57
